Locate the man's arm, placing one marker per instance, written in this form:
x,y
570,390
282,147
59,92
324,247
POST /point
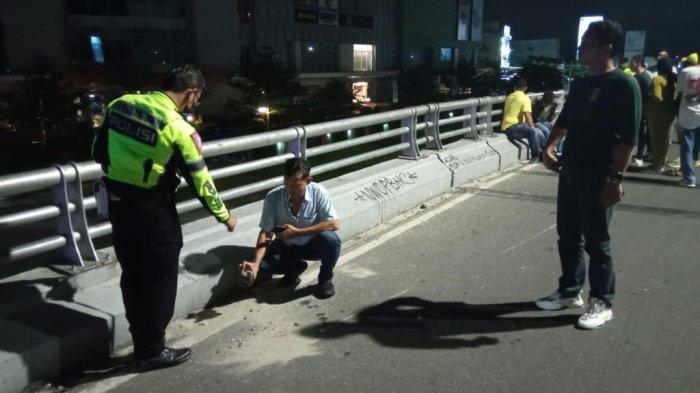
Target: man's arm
x,y
623,157
292,231
550,159
197,175
528,119
629,116
100,145
264,239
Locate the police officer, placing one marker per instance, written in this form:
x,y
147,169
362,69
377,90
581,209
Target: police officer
x,y
144,146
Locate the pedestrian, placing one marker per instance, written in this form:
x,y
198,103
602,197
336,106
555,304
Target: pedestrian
x,y
600,120
663,108
643,78
144,146
689,118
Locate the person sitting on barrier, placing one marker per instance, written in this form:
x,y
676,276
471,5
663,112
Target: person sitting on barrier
x,y
301,217
517,120
544,113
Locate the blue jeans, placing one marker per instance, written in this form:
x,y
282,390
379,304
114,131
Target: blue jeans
x,y
281,258
582,223
545,127
690,140
534,137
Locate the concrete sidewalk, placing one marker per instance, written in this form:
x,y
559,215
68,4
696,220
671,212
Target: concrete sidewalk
x,y
440,299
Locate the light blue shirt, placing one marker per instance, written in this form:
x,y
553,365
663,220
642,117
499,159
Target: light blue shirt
x,y
316,207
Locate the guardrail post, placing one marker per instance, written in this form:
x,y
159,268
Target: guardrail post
x,y
76,251
432,132
298,145
472,123
411,152
486,106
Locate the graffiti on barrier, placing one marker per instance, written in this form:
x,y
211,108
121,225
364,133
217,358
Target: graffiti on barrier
x,y
386,186
454,163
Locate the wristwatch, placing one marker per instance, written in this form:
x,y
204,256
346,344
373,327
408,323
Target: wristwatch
x,y
613,178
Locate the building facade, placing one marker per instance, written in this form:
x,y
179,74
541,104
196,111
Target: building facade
x,y
670,24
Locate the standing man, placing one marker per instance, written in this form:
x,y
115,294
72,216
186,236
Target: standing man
x,y
643,78
689,118
517,120
144,146
600,120
303,220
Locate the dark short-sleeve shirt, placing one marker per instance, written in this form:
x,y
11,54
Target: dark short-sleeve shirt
x,y
644,81
600,113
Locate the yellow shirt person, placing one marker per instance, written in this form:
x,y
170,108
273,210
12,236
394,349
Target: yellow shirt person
x,y
517,103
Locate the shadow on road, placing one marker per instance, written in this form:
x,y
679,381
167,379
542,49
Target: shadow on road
x,y
224,260
411,322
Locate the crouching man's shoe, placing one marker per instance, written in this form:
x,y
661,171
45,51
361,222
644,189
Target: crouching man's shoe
x,y
324,290
168,357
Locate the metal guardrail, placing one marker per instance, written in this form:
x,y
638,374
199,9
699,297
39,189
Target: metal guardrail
x,y
74,236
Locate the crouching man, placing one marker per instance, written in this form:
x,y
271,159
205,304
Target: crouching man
x,y
303,222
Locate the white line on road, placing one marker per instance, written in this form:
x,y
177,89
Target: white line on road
x,y
549,228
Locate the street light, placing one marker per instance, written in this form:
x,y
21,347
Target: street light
x,y
265,110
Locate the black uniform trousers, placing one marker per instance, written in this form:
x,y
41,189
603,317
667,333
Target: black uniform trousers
x,y
147,240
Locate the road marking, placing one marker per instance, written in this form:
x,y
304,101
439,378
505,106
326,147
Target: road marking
x,y
309,275
549,228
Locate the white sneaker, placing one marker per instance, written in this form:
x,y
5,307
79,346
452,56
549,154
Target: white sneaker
x,y
636,163
686,183
556,302
597,314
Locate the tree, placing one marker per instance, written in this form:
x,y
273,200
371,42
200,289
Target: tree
x,y
335,100
41,101
465,73
43,109
264,80
418,86
542,74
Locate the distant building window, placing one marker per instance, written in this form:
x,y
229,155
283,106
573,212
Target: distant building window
x,y
363,57
446,54
97,53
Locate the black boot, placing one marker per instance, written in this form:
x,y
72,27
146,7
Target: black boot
x,y
324,290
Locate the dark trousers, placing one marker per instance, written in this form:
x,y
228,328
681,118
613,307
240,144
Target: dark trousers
x,y
147,240
582,223
281,258
642,140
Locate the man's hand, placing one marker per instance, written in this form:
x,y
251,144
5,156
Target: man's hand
x,y
290,232
231,224
550,159
248,266
611,194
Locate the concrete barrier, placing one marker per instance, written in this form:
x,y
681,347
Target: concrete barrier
x,y
470,159
50,334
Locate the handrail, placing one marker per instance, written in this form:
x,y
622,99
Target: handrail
x,y
476,117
